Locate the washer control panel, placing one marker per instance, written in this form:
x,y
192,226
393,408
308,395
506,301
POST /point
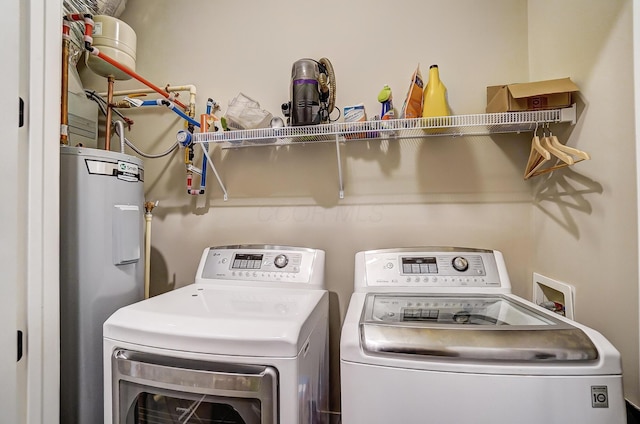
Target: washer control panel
x,y
264,262
410,267
254,264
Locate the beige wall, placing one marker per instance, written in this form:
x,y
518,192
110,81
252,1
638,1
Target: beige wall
x,y
585,219
439,191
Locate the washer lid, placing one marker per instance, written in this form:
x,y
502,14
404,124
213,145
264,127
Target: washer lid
x,y
475,328
238,321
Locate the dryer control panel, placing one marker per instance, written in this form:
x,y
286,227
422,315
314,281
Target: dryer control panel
x,y
431,267
254,264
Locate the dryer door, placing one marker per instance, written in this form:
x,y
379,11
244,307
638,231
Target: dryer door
x,y
158,389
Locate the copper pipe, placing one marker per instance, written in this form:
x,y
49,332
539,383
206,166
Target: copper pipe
x,y
203,122
131,73
107,134
64,97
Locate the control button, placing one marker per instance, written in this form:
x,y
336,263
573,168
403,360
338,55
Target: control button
x,y
389,265
224,260
233,273
281,261
408,279
417,280
434,279
460,264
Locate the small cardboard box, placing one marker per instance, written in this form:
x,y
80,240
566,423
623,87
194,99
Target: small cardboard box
x,y
550,94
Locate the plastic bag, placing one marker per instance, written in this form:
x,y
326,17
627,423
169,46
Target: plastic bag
x,y
244,113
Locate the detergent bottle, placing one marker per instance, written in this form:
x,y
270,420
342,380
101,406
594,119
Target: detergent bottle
x,y
435,96
385,97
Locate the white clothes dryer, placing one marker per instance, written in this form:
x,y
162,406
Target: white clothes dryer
x,y
434,335
246,344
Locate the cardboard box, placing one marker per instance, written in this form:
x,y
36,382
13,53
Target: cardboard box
x,y
550,94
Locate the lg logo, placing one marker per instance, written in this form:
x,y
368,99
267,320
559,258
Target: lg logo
x,y
599,397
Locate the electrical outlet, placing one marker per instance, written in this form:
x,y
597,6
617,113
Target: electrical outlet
x,y
546,289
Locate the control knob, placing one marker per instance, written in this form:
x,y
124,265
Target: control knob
x,y
281,261
460,264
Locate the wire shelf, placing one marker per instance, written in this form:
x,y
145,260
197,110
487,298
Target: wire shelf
x,y
456,125
338,133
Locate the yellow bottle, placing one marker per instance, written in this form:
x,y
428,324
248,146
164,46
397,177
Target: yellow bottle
x,y
435,96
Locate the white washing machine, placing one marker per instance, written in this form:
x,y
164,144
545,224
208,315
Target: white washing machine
x,y
434,335
246,344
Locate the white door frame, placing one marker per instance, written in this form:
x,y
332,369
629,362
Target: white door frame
x,y
42,257
29,173
10,252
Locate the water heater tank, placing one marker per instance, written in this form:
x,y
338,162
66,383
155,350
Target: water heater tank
x,y
117,40
101,267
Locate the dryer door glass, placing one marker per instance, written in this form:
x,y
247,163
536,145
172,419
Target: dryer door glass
x,y
159,389
158,406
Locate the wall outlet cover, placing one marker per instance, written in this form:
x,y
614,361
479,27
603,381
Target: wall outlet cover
x,y
548,289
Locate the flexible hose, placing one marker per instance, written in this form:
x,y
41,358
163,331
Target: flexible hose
x,y
204,127
153,102
183,115
119,130
149,155
101,105
170,105
331,79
